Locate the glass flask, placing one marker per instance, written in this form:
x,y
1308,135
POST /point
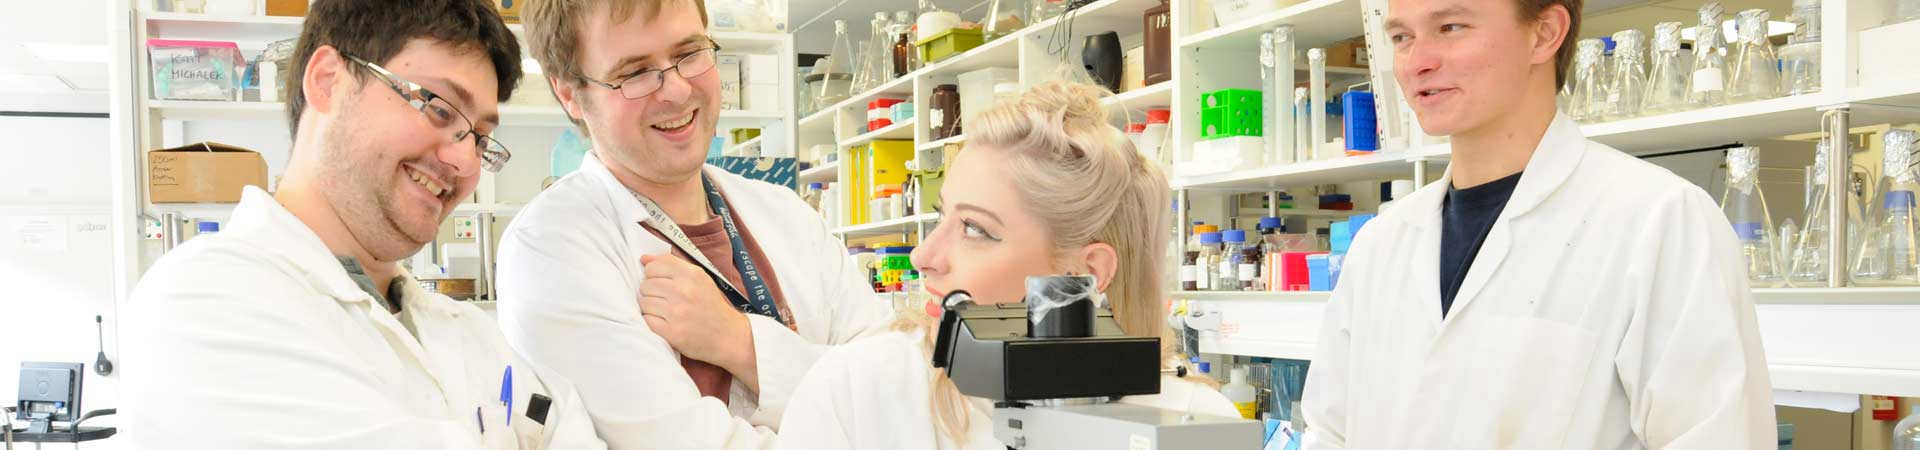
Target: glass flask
x,y
1746,209
1629,80
1808,260
870,74
1800,58
1585,96
1756,69
834,72
1667,81
1707,86
1887,255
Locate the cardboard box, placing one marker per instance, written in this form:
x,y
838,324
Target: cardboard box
x,y
289,8
1348,53
204,172
509,9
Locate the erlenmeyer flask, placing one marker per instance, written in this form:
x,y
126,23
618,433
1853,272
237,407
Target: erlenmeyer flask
x,y
1583,101
1707,87
1667,82
1808,267
835,72
1629,75
1887,255
1756,71
1746,209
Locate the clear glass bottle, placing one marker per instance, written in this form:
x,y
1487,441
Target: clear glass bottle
x,y
1906,434
1887,255
1206,271
1586,95
1800,58
1808,260
835,70
1746,209
1707,87
1756,69
1667,81
1227,273
1629,81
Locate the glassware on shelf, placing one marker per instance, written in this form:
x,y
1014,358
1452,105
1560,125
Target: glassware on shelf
x,y
1707,87
906,58
1041,10
832,78
1887,255
1667,81
1800,58
1756,69
875,53
1808,263
1746,209
1629,80
1586,96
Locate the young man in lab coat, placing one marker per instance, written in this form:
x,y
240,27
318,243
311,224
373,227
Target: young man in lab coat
x,y
295,327
685,301
1548,292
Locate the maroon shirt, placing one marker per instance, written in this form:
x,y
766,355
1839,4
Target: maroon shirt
x,y
711,238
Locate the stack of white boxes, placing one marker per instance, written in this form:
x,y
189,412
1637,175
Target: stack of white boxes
x,y
762,83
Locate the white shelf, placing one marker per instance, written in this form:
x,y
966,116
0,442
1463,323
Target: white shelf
x,y
1708,127
510,115
1001,52
498,209
1316,23
261,29
1825,340
901,87
1159,95
888,227
1381,166
941,143
1303,212
897,131
820,174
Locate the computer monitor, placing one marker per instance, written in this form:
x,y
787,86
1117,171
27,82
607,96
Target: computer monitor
x,y
50,392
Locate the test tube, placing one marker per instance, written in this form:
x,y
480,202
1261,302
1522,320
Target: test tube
x,y
1316,108
1279,141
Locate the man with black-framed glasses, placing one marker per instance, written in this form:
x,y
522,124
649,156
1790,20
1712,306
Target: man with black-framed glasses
x,y
684,301
296,327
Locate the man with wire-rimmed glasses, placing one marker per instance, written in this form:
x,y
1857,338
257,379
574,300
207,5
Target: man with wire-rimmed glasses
x,y
684,301
296,327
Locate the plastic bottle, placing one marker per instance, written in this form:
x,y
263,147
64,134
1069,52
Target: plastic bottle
x,y
1205,272
1240,393
1227,272
1153,138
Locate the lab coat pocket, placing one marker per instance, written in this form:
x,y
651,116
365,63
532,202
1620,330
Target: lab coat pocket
x,y
495,433
1544,365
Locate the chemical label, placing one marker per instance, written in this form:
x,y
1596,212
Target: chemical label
x,y
1249,272
1707,80
1186,273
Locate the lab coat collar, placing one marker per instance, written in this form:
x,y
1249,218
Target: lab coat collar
x,y
265,224
1559,152
1552,163
630,210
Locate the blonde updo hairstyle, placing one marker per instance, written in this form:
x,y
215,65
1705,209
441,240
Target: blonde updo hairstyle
x,y
1085,180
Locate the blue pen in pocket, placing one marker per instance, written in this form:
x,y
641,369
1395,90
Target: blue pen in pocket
x,y
506,392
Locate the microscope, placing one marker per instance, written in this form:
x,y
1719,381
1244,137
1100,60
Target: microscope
x,y
1054,365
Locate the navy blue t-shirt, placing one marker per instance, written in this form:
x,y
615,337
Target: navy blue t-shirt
x,y
1466,215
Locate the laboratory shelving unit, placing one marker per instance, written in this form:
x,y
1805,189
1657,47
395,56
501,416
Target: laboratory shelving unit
x,y
1035,52
1837,339
530,124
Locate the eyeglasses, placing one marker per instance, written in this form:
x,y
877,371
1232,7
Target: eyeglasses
x,y
441,114
645,82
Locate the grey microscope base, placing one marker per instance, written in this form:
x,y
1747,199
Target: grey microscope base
x,y
1121,427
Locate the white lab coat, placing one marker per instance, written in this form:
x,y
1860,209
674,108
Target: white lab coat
x,y
570,276
257,338
875,394
1607,309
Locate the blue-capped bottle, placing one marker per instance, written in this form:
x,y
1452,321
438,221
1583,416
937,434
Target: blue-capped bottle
x,y
1207,269
1746,209
1888,257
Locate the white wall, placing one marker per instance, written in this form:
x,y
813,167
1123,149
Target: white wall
x,y
55,172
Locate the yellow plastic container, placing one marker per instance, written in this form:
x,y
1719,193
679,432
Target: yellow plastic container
x,y
952,42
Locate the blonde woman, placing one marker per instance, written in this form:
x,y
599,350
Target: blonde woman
x,y
1044,187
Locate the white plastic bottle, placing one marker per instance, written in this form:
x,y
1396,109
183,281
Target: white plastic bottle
x,y
1240,393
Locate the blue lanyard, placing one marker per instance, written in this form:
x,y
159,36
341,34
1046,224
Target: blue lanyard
x,y
760,301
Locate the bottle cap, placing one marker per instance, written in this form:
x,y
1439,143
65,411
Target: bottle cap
x,y
1136,127
1158,116
209,227
1270,222
1204,228
1209,238
1234,236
